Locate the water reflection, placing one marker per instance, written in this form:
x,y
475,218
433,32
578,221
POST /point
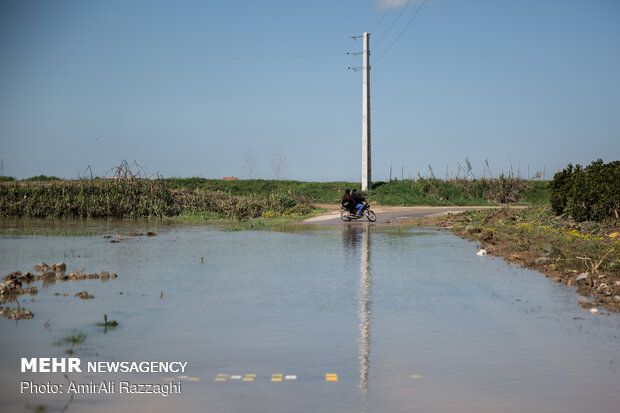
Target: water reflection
x,y
357,238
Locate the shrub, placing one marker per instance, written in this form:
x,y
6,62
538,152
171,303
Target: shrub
x,y
587,194
559,188
43,178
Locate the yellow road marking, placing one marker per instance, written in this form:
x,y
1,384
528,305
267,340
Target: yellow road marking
x,y
331,377
416,376
220,379
193,379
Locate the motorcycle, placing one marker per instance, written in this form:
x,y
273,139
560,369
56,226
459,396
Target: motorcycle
x,y
346,215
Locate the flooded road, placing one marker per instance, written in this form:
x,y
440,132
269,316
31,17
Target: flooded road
x,y
306,318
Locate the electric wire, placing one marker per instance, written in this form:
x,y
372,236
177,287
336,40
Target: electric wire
x,y
393,23
383,17
401,32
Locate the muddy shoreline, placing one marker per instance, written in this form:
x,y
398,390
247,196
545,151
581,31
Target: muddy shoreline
x,y
599,284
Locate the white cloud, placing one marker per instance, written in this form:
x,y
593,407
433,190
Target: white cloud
x,y
394,4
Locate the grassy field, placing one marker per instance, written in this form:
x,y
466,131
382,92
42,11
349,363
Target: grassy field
x,y
242,199
134,198
423,191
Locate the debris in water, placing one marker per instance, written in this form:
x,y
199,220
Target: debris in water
x,y
16,313
481,252
84,295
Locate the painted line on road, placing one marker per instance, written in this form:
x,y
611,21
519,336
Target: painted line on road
x,y
275,377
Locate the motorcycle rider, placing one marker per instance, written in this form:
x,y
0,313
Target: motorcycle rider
x,y
358,200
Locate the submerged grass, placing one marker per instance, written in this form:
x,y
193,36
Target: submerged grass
x,y
37,408
74,339
108,323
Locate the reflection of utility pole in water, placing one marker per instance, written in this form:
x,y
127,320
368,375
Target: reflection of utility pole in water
x,y
365,312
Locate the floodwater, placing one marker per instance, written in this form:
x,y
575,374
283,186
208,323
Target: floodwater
x,y
406,319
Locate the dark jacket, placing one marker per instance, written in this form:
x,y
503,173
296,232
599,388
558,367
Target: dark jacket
x,y
347,200
357,198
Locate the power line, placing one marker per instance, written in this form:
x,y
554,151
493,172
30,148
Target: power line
x,y
393,23
383,17
402,31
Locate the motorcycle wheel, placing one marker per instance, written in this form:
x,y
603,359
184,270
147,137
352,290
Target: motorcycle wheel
x,y
371,216
344,215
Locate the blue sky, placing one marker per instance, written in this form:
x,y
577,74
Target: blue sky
x,y
190,88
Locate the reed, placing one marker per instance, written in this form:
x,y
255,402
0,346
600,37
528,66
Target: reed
x,y
133,198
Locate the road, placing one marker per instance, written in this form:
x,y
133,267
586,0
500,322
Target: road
x,y
387,214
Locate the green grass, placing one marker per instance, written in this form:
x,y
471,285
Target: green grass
x,y
538,194
262,222
462,192
37,408
14,232
199,217
317,192
73,339
423,191
230,224
585,246
134,198
203,200
108,324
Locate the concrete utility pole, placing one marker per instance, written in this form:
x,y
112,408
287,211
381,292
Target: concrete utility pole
x,y
366,177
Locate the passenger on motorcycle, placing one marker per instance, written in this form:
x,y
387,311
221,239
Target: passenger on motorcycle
x,y
358,201
347,201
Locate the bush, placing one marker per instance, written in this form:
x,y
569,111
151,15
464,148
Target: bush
x,y
43,178
587,194
559,189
